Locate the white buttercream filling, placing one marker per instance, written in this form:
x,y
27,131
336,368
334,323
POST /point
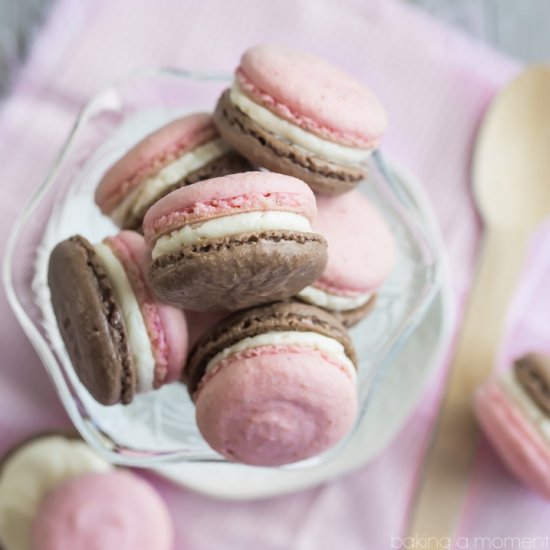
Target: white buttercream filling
x,y
313,340
521,398
156,186
321,298
138,338
33,471
328,150
230,225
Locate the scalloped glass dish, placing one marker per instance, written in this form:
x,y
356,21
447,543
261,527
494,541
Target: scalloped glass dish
x,y
159,427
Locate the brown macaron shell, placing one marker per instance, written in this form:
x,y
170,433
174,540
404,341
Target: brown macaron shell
x,y
258,268
533,373
90,321
278,316
274,153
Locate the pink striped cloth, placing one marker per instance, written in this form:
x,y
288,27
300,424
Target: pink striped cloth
x,y
436,85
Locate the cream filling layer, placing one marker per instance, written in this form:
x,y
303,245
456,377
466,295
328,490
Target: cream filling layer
x,y
312,340
157,185
139,341
230,225
320,298
521,398
30,473
325,149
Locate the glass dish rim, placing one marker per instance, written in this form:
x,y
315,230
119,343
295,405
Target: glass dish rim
x,y
400,199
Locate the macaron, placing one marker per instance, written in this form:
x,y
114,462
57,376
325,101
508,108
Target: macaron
x,y
183,151
103,511
361,256
30,472
121,339
513,411
274,384
233,242
296,114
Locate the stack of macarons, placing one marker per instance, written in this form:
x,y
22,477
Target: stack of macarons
x,y
249,253
57,494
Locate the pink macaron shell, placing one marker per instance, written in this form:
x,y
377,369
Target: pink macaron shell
x,y
166,324
361,247
518,443
107,511
150,155
275,405
313,94
227,195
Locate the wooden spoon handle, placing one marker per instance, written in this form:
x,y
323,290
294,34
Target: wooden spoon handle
x,y
446,471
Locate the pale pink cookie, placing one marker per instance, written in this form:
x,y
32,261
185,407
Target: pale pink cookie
x,y
108,511
183,151
294,113
514,414
274,384
234,242
361,256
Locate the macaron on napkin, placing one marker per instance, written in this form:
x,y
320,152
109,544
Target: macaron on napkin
x,y
58,494
514,412
512,406
249,214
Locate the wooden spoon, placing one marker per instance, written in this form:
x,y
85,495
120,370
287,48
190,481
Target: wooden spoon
x,y
511,178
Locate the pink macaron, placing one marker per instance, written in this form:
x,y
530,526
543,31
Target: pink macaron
x,y
183,151
103,511
514,413
121,338
294,113
234,242
274,384
361,256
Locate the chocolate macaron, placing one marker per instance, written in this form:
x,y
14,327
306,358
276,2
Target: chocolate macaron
x,y
234,242
274,384
293,113
184,151
121,339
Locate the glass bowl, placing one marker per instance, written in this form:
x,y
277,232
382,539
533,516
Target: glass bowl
x,y
159,427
